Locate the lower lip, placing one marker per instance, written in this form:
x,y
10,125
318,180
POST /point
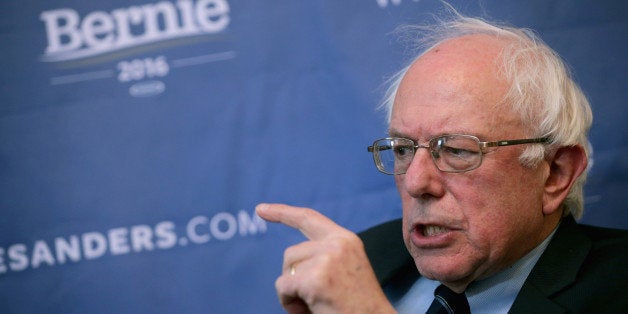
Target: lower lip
x,y
431,242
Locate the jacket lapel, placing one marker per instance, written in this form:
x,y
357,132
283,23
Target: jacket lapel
x,y
556,269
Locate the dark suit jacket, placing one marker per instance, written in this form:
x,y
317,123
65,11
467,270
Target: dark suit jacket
x,y
583,270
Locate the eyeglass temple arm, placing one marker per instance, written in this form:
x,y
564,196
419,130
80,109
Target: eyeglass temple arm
x,y
515,142
380,148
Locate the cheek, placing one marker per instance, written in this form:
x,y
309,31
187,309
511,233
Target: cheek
x,y
490,202
504,217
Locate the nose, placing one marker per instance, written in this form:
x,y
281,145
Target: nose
x,y
422,179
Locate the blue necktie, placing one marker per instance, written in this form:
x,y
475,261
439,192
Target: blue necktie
x,y
448,302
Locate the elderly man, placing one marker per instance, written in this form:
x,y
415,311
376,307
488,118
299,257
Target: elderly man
x,y
487,143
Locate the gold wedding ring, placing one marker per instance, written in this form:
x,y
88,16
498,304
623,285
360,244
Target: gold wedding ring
x,y
293,270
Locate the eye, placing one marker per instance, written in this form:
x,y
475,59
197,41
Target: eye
x,y
458,152
403,151
456,147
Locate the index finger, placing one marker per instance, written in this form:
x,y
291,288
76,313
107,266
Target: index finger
x,y
311,223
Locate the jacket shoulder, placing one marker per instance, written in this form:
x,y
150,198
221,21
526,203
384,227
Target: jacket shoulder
x,y
582,270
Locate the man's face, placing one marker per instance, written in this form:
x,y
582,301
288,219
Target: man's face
x,y
460,227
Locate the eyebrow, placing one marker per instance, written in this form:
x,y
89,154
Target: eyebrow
x,y
395,133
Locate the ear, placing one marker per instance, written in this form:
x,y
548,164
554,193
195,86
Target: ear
x,y
566,165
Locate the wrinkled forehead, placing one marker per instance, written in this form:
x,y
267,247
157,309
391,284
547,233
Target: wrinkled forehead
x,y
472,59
458,83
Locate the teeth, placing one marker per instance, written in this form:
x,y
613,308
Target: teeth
x,y
429,231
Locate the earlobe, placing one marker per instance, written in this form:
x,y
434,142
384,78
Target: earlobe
x,y
566,165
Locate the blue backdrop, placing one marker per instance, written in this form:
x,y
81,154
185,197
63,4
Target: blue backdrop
x,y
136,137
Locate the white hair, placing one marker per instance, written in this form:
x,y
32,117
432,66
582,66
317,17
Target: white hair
x,y
541,89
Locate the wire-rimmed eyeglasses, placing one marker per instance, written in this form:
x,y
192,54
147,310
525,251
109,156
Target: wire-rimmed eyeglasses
x,y
450,152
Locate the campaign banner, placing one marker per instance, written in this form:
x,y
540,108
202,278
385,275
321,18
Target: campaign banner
x,y
137,136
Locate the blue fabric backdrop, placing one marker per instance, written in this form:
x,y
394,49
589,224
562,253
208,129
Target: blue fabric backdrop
x,y
137,136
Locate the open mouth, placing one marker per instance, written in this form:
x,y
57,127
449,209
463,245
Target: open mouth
x,y
432,236
431,230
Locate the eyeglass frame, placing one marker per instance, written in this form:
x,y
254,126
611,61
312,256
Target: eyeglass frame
x,y
481,145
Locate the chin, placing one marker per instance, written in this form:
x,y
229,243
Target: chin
x,y
442,269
